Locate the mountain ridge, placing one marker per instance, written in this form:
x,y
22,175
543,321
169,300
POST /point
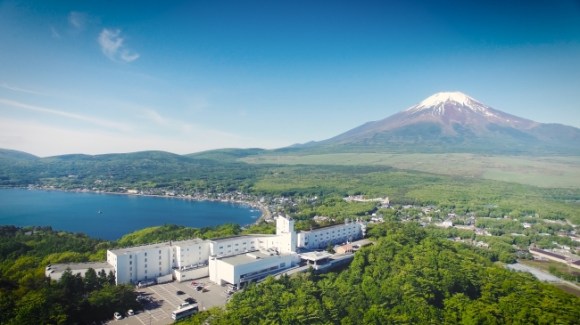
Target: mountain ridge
x,y
455,122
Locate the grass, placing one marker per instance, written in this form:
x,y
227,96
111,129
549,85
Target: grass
x,y
546,172
545,266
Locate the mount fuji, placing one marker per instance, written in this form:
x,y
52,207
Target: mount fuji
x,y
455,122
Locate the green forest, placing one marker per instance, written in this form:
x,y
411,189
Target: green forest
x,y
409,276
28,297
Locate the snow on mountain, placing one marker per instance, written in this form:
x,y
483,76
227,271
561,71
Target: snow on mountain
x,y
438,101
448,108
454,121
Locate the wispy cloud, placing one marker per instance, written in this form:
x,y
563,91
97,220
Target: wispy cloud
x,y
21,90
54,33
113,47
78,20
79,117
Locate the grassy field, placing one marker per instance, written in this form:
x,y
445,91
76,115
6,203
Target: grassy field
x,y
547,172
545,266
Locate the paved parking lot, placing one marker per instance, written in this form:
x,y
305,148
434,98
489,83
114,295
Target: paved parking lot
x,y
164,300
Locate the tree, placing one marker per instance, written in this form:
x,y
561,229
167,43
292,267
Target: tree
x,y
91,280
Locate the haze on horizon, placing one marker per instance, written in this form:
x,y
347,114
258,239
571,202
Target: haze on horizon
x,y
101,77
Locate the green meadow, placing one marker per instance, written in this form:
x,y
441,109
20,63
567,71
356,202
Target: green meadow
x,y
547,172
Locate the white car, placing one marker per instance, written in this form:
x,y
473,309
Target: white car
x,y
130,312
117,315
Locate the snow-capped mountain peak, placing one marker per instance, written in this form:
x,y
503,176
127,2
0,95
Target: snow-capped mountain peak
x,y
439,101
455,122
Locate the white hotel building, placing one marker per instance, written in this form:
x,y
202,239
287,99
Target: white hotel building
x,y
231,260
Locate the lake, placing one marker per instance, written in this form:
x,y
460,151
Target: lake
x,y
110,216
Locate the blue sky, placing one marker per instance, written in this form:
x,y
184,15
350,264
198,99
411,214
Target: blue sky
x,y
121,76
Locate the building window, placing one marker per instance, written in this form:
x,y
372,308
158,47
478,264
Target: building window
x,y
145,260
145,271
159,263
159,257
145,267
130,256
131,268
159,251
130,262
145,253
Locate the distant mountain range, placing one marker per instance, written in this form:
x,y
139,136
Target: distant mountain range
x,y
446,122
454,122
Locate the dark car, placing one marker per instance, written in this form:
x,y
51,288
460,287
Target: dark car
x,y
179,292
190,300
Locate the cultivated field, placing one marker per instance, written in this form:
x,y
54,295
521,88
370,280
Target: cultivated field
x,y
548,172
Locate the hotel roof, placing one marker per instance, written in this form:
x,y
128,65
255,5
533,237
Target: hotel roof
x,y
249,258
136,249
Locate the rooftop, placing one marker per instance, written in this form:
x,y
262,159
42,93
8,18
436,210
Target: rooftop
x,y
315,256
249,258
328,227
135,249
217,240
55,271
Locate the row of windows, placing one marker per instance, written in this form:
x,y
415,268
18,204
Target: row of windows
x,y
237,244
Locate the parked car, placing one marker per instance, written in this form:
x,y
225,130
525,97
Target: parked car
x,y
130,312
117,315
179,292
190,300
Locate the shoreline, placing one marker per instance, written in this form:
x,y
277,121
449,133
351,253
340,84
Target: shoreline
x,y
264,211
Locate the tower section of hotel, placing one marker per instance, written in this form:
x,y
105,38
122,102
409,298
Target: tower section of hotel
x,y
322,237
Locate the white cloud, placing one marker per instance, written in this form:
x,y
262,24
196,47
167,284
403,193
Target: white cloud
x,y
128,56
113,47
54,33
42,139
78,20
89,119
21,90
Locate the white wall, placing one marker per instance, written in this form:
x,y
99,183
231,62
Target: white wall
x,y
229,273
191,274
319,238
233,246
190,253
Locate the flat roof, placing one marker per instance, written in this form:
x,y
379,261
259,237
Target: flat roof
x,y
188,242
132,249
329,227
315,256
135,249
97,266
541,251
248,258
217,240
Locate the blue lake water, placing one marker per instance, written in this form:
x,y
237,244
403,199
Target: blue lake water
x,y
111,216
